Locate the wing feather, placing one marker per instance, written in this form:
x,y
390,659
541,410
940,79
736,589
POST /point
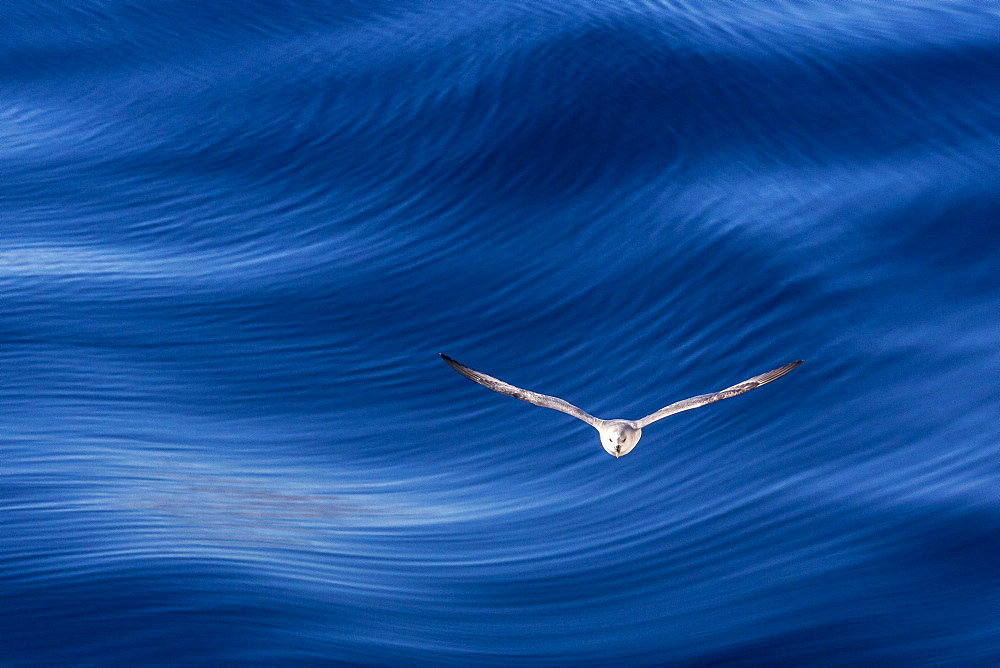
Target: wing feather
x,y
702,399
518,393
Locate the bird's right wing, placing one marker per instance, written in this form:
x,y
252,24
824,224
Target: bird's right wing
x,y
702,399
524,395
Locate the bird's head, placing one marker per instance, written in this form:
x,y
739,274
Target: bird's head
x,y
619,437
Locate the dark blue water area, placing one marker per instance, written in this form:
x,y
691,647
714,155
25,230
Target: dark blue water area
x,y
235,235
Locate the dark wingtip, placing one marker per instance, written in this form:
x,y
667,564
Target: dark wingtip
x,y
788,367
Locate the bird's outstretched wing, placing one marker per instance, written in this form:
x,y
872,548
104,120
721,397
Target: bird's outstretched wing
x,y
702,399
524,395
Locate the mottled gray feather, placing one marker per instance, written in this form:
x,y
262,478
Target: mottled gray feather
x,y
524,395
702,399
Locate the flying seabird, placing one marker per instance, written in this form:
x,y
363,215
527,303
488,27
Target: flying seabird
x,y
617,436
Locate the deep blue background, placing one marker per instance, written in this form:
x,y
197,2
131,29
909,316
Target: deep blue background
x,y
236,234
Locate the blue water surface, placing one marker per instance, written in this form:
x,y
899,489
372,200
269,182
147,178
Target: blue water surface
x,y
235,235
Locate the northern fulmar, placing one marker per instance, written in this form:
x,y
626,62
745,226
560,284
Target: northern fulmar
x,y
617,436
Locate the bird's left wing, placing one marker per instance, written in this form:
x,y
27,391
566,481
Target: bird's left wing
x,y
524,395
702,399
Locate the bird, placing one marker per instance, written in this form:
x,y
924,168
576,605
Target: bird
x,y
618,437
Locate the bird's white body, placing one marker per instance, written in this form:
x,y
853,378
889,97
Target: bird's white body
x,y
618,437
